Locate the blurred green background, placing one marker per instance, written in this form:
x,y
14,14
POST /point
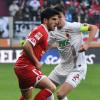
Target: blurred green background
x,y
89,89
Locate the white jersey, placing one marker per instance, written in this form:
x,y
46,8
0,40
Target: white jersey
x,y
69,39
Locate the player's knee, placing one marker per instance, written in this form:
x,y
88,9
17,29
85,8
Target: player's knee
x,y
53,88
60,96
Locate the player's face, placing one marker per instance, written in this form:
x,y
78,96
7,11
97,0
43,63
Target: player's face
x,y
52,22
61,22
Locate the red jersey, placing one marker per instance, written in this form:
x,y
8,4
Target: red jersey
x,y
39,39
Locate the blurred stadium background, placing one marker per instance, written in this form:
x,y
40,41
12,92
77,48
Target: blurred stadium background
x,y
18,17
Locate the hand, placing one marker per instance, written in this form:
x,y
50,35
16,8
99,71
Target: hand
x,y
39,66
84,47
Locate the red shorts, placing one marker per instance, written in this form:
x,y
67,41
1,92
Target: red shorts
x,y
28,76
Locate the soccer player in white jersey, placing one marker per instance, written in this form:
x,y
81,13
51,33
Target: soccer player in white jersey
x,y
72,68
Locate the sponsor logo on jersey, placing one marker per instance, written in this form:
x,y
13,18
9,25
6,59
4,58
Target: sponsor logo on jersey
x,y
38,35
33,40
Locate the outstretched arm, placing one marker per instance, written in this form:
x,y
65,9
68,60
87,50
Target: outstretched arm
x,y
92,29
94,45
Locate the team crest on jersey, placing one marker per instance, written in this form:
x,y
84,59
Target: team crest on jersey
x,y
38,35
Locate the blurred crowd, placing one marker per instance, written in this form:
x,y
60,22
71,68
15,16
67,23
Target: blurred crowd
x,y
84,11
75,10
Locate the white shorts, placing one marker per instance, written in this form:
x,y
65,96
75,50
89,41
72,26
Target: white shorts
x,y
73,77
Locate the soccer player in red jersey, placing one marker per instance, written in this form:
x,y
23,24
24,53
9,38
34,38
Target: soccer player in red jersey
x,y
28,67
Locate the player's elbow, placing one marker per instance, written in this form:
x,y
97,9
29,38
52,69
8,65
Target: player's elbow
x,y
93,28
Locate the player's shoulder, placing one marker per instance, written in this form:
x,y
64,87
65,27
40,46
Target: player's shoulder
x,y
37,29
73,26
70,24
34,31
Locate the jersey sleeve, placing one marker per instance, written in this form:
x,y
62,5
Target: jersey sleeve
x,y
73,28
76,27
34,37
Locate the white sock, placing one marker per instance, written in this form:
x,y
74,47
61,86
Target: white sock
x,y
65,98
51,97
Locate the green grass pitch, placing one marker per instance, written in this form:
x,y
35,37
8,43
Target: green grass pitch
x,y
89,89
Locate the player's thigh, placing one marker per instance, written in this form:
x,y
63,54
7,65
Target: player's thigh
x,y
74,78
56,78
46,83
64,89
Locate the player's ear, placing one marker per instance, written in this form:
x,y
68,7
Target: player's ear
x,y
45,21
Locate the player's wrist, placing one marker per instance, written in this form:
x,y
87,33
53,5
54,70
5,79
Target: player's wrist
x,y
39,66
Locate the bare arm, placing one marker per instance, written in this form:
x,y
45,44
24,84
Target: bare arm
x,y
29,51
92,32
94,45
